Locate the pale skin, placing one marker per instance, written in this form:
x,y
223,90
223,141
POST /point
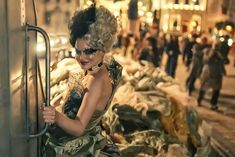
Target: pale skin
x,y
99,91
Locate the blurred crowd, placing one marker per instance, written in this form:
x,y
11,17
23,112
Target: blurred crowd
x,y
204,58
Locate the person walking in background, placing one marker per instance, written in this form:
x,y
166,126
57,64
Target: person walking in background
x,y
212,74
155,54
224,49
146,52
126,43
196,65
161,41
172,50
187,51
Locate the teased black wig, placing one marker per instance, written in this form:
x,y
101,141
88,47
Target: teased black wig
x,y
80,23
96,24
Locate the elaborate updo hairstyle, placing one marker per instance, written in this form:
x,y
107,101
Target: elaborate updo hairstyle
x,y
95,24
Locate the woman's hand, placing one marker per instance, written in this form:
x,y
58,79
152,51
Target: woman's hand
x,y
50,115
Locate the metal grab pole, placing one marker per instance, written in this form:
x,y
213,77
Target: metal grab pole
x,y
47,65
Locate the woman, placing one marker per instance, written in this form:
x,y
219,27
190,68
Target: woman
x,y
76,131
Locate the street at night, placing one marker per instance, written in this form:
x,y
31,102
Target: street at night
x,y
117,78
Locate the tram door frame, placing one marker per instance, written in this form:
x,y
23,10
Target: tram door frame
x,y
21,93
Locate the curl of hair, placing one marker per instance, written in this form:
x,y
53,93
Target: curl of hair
x,y
79,25
102,32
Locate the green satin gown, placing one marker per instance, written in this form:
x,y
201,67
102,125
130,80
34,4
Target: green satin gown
x,y
57,143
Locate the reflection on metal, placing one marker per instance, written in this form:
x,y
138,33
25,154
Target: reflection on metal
x,y
29,27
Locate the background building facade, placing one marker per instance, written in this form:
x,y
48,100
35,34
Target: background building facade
x,y
175,16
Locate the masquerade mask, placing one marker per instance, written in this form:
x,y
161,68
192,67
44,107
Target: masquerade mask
x,y
87,51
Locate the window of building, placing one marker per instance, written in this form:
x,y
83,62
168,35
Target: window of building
x,y
176,1
175,22
195,23
47,17
186,1
196,2
165,23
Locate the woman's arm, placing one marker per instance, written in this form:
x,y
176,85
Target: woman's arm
x,y
76,127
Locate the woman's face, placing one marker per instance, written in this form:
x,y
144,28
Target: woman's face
x,y
86,55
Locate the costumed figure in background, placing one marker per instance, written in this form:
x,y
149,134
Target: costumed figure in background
x,y
196,65
76,131
212,75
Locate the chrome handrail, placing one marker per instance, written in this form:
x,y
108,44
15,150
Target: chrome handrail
x,y
29,27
